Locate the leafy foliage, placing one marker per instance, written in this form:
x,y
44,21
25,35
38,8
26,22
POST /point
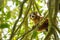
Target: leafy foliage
x,y
14,15
4,25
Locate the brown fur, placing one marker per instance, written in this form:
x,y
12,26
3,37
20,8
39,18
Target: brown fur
x,y
36,18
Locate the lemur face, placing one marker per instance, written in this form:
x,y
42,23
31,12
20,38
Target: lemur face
x,y
36,18
33,15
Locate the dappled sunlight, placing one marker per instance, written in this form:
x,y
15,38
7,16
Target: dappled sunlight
x,y
15,28
11,5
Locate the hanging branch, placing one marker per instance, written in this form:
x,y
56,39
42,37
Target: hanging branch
x,y
26,13
55,14
54,18
20,13
37,7
33,7
52,21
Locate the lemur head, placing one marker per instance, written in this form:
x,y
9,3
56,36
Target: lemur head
x,y
34,15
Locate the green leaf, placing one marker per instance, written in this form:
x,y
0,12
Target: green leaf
x,y
5,2
34,34
4,25
17,2
1,4
8,15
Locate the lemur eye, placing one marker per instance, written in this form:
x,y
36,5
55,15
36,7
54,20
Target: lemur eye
x,y
33,16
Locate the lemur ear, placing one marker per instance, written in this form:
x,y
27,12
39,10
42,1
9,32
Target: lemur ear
x,y
33,13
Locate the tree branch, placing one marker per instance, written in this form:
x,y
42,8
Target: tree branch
x,y
20,13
